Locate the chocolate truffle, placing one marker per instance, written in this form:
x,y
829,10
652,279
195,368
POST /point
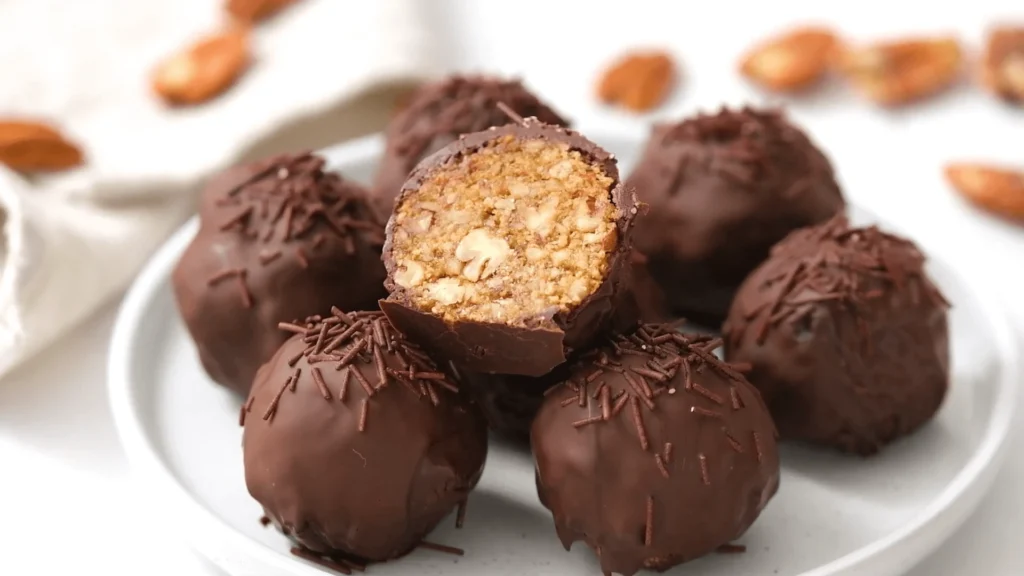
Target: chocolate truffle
x,y
278,240
438,113
722,190
846,335
510,248
654,452
355,443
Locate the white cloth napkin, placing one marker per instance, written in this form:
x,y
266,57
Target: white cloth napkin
x,y
324,71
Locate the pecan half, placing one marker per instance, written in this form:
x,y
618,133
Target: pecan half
x,y
999,190
899,72
791,62
639,81
29,146
1002,69
203,70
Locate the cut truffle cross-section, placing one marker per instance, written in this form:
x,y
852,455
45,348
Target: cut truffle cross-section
x,y
514,230
523,228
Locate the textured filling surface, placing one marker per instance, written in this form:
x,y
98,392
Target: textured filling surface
x,y
514,230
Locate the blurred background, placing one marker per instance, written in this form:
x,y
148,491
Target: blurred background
x,y
101,73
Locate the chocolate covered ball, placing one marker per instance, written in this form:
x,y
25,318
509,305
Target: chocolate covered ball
x,y
654,452
509,249
278,240
723,189
438,113
846,335
355,444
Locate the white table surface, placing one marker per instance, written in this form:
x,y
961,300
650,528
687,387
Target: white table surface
x,y
65,495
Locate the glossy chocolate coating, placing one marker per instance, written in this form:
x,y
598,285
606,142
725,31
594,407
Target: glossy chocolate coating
x,y
346,462
846,335
654,452
723,189
534,346
278,240
438,113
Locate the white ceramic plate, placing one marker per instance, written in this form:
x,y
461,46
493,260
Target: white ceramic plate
x,y
833,515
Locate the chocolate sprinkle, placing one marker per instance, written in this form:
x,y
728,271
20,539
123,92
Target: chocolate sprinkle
x,y
649,524
731,549
322,561
268,257
362,381
661,465
290,327
460,514
620,404
363,412
318,377
272,407
606,405
442,548
734,443
216,278
343,390
300,257
638,421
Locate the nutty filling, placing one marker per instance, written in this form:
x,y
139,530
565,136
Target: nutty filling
x,y
514,230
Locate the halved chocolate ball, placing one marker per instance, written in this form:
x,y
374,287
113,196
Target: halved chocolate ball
x,y
654,452
279,239
846,335
509,249
355,444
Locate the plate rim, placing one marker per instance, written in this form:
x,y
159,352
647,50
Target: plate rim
x,y
208,533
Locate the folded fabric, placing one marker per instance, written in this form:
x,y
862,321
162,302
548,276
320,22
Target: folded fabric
x,y
323,71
